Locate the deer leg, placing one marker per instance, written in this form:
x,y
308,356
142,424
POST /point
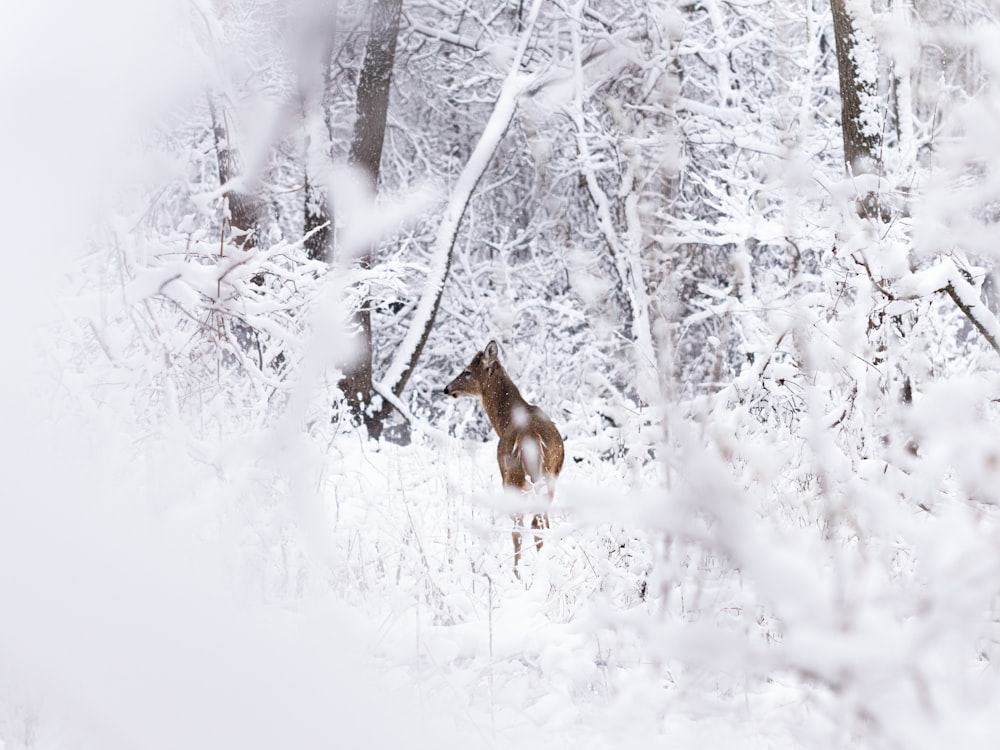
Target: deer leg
x,y
541,520
550,483
538,522
516,534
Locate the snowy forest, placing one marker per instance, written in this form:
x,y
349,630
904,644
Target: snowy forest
x,y
742,253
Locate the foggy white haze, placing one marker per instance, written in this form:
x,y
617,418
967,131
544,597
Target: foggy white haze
x,y
769,340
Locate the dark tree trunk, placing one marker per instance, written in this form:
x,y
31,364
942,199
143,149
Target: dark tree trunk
x,y
373,88
317,222
861,144
366,154
314,90
244,217
858,88
244,208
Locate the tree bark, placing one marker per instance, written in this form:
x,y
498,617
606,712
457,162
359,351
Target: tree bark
x,y
858,88
861,119
316,40
373,89
244,213
244,208
366,155
317,222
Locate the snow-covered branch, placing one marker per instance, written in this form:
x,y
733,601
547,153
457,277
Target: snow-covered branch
x,y
408,352
625,251
947,277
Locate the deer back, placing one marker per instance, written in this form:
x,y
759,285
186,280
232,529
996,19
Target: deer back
x,y
530,446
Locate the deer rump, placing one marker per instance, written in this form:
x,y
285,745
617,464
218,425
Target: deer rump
x,y
528,455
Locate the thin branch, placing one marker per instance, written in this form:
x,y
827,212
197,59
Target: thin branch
x,y
947,277
443,36
972,315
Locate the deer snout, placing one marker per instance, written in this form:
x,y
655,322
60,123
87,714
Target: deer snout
x,y
449,391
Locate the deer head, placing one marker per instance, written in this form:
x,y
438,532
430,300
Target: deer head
x,y
473,379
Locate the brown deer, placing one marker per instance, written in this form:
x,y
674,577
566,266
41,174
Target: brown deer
x,y
530,448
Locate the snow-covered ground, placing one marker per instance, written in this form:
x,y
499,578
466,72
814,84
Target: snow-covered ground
x,y
558,659
281,588
803,552
171,592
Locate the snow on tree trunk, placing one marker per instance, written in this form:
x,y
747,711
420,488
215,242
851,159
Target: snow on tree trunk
x,y
861,109
244,208
408,353
366,155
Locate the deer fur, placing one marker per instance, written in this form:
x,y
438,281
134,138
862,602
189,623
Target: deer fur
x,y
530,451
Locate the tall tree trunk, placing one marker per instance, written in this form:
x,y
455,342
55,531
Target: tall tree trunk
x,y
317,222
861,109
244,208
315,84
366,155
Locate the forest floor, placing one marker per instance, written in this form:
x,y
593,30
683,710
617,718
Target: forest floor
x,y
562,657
272,590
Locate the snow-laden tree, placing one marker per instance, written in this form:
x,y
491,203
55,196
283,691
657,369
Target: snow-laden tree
x,y
778,513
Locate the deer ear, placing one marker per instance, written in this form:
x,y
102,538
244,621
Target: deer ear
x,y
490,353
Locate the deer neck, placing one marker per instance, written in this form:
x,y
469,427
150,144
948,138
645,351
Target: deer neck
x,y
500,399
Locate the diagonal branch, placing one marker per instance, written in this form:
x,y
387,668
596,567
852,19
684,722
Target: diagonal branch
x,y
947,277
514,84
978,314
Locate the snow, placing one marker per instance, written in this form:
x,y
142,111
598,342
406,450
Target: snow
x,y
776,549
392,576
